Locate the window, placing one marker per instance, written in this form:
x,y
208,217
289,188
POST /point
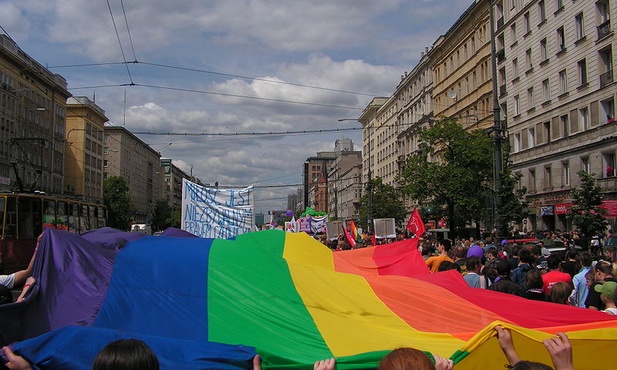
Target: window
x,y
548,178
516,105
528,60
530,98
517,142
607,108
609,163
542,10
585,164
606,66
583,118
565,174
563,82
105,163
546,91
531,183
561,38
513,32
582,72
563,121
515,67
531,137
543,50
105,150
527,21
580,27
547,131
559,4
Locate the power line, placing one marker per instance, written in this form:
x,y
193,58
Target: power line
x,y
271,133
128,71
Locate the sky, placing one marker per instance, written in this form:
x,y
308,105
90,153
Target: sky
x,y
239,92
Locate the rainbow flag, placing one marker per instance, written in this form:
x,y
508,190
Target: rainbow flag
x,y
295,301
354,231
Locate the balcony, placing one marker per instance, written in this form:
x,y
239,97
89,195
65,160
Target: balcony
x,y
604,29
606,79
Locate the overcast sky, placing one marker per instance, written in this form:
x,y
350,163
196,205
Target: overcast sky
x,y
232,67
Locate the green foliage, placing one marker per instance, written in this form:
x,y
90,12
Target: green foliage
x,y
387,202
513,208
120,207
587,212
161,217
451,172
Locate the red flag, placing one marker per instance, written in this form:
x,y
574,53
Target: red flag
x,y
415,224
348,237
374,238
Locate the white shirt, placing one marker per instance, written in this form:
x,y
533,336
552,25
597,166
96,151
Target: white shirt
x,y
7,280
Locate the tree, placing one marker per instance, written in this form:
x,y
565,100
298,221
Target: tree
x,y
120,207
587,212
161,216
386,203
451,173
513,208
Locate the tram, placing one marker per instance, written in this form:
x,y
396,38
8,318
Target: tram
x,y
24,216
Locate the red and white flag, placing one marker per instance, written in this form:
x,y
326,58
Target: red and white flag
x,y
415,223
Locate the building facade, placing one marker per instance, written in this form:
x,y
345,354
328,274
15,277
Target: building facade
x,y
345,185
32,123
127,156
85,123
315,178
555,70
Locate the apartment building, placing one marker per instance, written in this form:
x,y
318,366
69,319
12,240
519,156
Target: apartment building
x,y
83,167
557,95
461,66
315,178
32,123
127,156
345,185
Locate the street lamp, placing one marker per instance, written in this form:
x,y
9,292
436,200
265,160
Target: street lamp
x,y
369,185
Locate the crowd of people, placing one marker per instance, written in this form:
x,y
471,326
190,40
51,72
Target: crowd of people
x,y
570,276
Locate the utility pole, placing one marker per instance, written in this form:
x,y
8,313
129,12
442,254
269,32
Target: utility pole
x,y
497,129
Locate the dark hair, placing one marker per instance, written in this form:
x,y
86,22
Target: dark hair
x,y
586,258
524,255
6,296
572,253
503,268
528,365
553,262
126,354
472,263
533,279
406,358
447,265
447,244
492,251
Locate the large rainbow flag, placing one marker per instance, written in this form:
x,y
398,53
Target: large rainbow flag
x,y
295,301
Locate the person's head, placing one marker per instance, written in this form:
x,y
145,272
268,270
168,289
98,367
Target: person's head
x,y
473,264
406,359
491,253
5,295
503,268
126,354
590,278
572,254
560,292
524,255
529,365
460,252
447,265
586,258
446,244
533,279
606,290
603,269
553,261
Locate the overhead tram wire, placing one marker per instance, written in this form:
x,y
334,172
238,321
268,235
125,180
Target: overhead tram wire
x,y
128,71
220,94
197,70
270,133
